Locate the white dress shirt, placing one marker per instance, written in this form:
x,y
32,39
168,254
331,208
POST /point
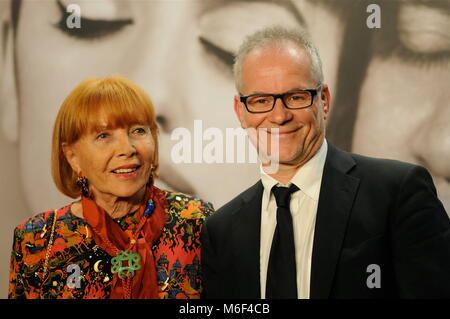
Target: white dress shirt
x,y
303,208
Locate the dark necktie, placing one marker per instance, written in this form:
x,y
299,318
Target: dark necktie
x,y
281,272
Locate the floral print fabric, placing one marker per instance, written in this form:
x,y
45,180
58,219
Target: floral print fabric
x,y
78,268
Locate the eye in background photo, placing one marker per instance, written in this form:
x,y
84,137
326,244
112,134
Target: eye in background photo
x,y
389,86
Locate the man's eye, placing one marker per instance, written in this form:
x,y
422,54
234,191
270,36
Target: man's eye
x,y
298,97
90,28
263,100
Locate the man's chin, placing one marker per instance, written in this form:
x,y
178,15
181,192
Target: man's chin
x,y
286,158
272,165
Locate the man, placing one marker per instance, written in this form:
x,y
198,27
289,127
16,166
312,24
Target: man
x,y
327,224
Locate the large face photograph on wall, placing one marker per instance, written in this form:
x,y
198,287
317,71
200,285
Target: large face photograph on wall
x,y
388,83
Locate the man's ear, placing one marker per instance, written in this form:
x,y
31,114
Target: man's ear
x,y
8,91
71,157
325,96
239,110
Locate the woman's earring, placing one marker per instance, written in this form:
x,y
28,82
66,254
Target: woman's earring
x,y
150,180
83,183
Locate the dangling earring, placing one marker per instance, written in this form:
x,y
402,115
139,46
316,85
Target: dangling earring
x,y
83,183
150,180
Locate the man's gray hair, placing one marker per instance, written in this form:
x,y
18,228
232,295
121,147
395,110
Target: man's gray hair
x,y
276,36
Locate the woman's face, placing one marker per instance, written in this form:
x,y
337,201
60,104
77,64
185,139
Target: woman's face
x,y
116,162
408,116
179,52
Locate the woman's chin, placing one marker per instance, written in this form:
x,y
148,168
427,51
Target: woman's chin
x,y
122,192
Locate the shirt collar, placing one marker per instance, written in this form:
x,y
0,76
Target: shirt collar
x,y
308,178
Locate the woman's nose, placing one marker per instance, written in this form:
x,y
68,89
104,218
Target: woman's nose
x,y
125,145
432,142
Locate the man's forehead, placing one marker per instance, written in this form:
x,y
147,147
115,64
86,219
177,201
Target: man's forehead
x,y
285,49
269,66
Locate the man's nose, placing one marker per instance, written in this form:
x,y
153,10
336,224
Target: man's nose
x,y
280,114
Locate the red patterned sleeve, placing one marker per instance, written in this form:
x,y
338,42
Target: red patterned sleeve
x,y
16,283
28,254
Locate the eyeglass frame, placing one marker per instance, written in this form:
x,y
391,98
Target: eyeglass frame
x,y
313,92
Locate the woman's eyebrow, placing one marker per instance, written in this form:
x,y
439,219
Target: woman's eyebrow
x,y
104,10
99,128
285,4
441,5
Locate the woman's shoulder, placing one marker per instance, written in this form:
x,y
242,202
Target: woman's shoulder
x,y
39,223
188,206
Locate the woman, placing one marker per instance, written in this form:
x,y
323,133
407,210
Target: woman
x,y
125,238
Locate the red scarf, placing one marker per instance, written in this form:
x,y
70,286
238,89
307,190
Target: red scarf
x,y
111,238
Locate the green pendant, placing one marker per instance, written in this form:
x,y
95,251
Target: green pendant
x,y
125,269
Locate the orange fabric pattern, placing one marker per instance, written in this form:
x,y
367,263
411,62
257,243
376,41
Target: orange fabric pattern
x,y
78,268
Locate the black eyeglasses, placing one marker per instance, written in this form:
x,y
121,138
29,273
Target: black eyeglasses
x,y
294,100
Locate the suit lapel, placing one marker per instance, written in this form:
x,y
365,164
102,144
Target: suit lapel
x,y
335,202
246,243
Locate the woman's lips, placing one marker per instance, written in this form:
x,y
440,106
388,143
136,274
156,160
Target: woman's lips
x,y
127,173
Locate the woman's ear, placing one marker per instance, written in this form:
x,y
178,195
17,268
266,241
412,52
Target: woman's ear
x,y
71,157
8,90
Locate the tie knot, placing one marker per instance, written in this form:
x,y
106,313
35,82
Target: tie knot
x,y
283,195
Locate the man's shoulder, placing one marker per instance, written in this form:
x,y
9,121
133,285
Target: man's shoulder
x,y
380,162
377,167
384,168
234,205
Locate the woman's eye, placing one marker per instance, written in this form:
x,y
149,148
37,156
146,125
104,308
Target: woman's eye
x,y
223,55
139,130
410,39
90,28
102,136
223,27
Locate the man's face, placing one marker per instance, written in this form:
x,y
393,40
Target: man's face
x,y
278,70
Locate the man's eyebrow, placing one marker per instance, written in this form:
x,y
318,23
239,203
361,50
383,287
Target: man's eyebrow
x,y
288,91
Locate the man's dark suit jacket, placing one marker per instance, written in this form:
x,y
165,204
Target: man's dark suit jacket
x,y
370,211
